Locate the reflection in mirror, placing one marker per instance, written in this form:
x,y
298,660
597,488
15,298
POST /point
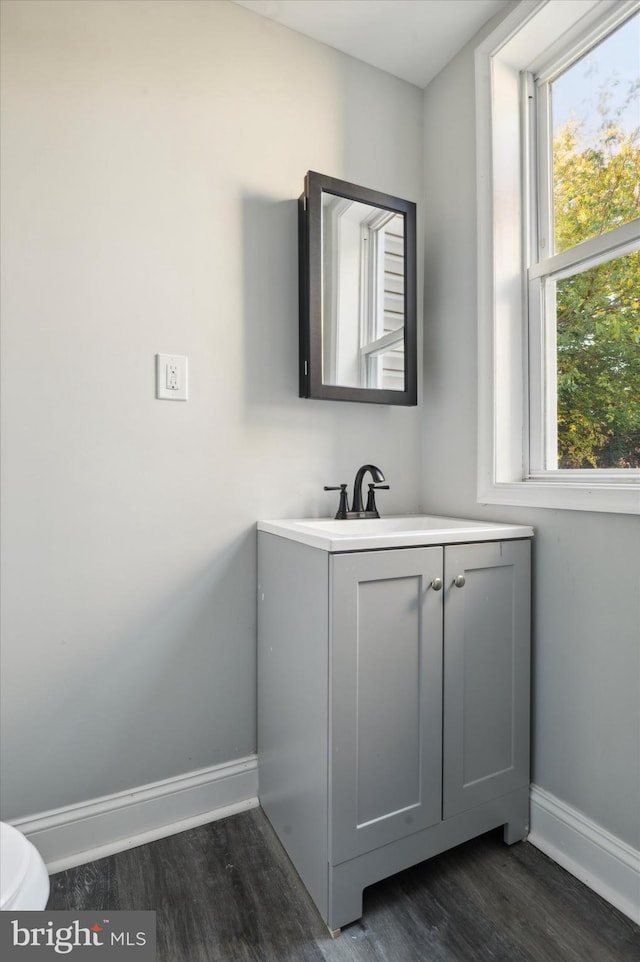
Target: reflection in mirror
x,y
357,294
362,294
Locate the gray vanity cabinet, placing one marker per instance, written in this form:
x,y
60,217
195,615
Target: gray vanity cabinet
x,y
393,706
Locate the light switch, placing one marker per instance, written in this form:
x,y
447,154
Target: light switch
x,y
171,377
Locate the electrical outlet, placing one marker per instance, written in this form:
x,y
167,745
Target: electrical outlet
x,y
171,377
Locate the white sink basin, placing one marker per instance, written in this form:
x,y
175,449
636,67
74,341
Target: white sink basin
x,y
392,532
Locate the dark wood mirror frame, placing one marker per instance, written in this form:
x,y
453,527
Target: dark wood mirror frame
x,y
311,286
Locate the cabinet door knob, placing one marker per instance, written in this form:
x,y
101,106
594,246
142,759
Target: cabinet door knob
x,y
459,581
436,584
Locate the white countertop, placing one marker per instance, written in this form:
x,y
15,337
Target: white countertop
x,y
391,532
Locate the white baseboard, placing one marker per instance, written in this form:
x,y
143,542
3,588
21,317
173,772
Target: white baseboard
x,y
82,833
603,862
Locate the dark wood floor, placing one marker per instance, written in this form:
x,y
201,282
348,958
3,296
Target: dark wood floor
x,y
226,892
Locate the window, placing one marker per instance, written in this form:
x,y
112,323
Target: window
x,y
584,282
559,286
382,324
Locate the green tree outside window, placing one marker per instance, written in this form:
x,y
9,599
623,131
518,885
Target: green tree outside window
x,y
596,188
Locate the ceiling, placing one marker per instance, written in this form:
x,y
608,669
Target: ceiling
x,y
411,39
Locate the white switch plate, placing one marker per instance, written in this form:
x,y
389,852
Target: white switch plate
x,y
171,377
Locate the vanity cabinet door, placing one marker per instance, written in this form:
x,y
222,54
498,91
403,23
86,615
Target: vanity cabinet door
x,y
386,697
486,672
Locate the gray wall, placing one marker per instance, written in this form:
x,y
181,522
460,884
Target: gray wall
x,y
586,648
152,157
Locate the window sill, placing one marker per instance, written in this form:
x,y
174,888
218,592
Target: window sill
x,y
577,496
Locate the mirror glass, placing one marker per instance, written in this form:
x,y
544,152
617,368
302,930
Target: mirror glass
x,y
357,294
362,294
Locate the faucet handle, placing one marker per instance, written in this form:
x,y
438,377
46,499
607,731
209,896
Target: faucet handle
x,y
343,507
371,499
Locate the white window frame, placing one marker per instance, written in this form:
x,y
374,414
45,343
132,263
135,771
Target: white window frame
x,y
507,251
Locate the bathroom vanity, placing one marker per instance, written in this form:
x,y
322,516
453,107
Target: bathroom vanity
x,y
393,694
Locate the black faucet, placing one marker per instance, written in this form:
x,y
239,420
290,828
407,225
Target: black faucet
x,y
357,507
357,510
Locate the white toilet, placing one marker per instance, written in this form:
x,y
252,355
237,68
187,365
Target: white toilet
x,y
24,881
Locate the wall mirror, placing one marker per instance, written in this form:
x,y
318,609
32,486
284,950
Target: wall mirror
x,y
357,250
